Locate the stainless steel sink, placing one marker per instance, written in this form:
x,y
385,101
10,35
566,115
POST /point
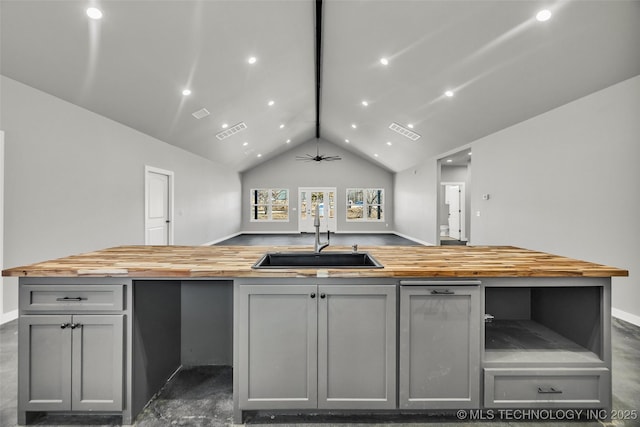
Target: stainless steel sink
x,y
317,260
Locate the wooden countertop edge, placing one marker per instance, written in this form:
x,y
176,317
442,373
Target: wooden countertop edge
x,y
225,262
335,273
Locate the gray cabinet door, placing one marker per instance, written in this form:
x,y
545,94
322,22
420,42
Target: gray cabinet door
x,y
357,347
44,365
439,347
277,346
97,363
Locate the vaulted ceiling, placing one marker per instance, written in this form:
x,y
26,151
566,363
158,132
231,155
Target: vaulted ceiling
x,y
502,65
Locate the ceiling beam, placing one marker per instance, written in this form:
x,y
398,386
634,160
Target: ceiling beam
x,y
318,62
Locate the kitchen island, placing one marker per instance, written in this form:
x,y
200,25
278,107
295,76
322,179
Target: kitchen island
x,y
438,328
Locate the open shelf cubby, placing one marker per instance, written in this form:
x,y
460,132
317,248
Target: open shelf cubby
x,y
544,325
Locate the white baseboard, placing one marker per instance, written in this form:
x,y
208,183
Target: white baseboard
x,y
8,316
627,317
363,232
270,232
413,239
213,242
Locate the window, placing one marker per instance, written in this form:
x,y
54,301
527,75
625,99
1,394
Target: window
x,y
365,204
270,204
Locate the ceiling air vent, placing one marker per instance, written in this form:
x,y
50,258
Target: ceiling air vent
x,y
231,131
404,131
201,113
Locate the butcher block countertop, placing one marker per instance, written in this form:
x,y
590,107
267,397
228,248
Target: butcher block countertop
x,y
236,261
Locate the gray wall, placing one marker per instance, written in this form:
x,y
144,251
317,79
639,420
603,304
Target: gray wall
x,y
564,182
416,202
74,182
567,182
284,171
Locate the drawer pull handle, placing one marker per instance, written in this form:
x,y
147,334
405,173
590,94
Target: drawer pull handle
x,y
442,292
76,325
65,325
549,390
66,299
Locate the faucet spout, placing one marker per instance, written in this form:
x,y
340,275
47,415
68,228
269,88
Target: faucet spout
x,y
318,245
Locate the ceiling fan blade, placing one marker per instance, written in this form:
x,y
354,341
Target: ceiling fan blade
x,y
330,158
306,158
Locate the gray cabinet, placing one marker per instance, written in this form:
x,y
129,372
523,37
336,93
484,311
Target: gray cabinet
x,y
439,346
317,346
71,362
278,346
548,344
357,347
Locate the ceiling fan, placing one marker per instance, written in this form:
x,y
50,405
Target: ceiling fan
x,y
318,157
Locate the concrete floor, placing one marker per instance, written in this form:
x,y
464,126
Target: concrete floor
x,y
202,396
307,239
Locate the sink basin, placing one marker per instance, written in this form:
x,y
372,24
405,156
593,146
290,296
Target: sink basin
x,y
314,260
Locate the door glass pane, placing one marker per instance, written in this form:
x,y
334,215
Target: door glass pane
x,y
317,199
332,205
303,205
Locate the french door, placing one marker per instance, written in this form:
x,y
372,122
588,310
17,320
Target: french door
x,y
324,199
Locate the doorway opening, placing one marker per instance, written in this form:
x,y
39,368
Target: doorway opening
x,y
322,198
158,206
454,201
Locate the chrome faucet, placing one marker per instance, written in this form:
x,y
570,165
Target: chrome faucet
x,y
316,223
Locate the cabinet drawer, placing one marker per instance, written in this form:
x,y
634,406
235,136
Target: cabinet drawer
x,y
71,297
546,388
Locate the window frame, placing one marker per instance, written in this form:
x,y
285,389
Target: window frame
x,y
366,204
269,204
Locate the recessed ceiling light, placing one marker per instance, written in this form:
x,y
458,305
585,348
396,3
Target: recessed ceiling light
x,y
186,92
376,154
346,140
281,125
469,152
448,93
410,126
365,103
259,155
225,125
389,143
543,15
270,103
353,125
384,61
288,141
449,160
244,144
252,60
94,13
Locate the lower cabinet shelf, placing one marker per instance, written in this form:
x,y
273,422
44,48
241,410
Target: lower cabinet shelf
x,y
546,388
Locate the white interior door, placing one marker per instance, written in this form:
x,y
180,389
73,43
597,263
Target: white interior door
x,y
322,198
452,198
158,206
